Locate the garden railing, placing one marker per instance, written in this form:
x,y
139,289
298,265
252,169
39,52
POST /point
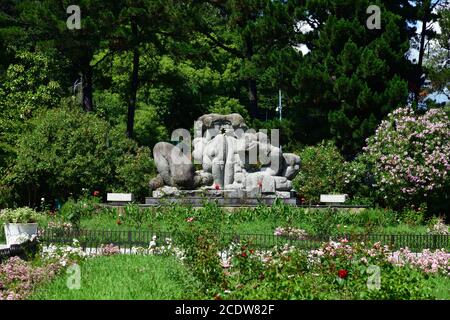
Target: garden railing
x,y
129,239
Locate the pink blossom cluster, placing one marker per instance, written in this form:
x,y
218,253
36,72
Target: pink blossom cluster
x,y
109,250
357,252
18,277
427,261
66,226
410,153
291,233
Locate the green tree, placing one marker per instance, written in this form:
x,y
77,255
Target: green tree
x,y
27,87
437,62
426,13
353,76
251,30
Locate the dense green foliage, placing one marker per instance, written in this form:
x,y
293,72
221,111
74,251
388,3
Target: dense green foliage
x,y
66,151
140,69
323,172
353,76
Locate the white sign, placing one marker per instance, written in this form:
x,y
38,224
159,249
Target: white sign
x,y
119,197
333,198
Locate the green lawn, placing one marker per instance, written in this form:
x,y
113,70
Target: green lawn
x,y
124,277
441,287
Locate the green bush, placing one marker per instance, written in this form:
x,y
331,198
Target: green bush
x,y
134,173
134,216
358,183
67,151
322,171
73,211
201,246
414,216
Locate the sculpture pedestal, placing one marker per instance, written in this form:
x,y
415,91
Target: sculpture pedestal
x,y
223,198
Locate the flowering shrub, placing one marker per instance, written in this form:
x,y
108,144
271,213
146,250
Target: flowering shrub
x,y
19,215
166,248
60,225
290,233
336,270
18,277
64,255
409,157
438,227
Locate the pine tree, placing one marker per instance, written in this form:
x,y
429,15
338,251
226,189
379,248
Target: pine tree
x,y
353,76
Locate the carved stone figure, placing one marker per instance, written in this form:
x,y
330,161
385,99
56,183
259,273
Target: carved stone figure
x,y
232,159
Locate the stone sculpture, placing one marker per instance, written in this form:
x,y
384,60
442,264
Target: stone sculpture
x,y
234,161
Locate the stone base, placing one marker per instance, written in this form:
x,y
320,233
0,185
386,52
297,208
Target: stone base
x,y
171,192
221,201
224,198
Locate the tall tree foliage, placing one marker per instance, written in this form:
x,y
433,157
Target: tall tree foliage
x,y
437,64
426,13
353,76
250,30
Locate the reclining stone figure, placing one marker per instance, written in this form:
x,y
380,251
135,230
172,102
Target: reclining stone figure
x,y
230,158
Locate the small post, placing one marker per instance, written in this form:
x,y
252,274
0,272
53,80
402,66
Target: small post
x,y
129,239
279,102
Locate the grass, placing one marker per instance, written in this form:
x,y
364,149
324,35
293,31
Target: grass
x,y
441,287
259,220
124,277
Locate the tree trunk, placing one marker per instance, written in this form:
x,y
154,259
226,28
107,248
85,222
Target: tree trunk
x,y
87,89
134,82
252,90
252,95
421,55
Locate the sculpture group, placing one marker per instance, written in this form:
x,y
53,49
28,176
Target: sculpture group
x,y
227,159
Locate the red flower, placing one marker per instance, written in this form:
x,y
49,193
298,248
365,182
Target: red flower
x,y
190,219
217,187
252,251
260,184
244,254
118,222
96,193
342,273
